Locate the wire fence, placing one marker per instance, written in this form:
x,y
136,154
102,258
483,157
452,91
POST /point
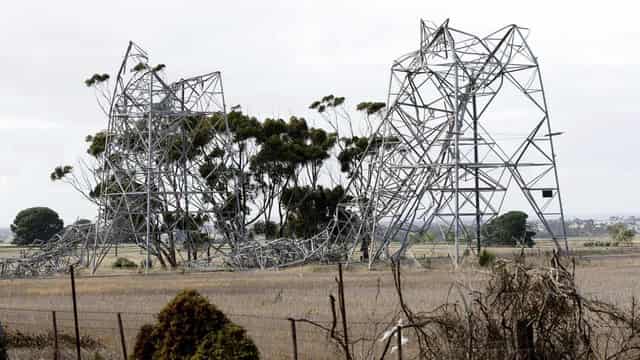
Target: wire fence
x,y
273,335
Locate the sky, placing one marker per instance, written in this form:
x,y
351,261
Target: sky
x,y
276,57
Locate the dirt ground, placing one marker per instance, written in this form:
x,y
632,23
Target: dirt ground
x,y
263,300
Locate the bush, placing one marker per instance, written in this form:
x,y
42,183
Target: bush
x,y
124,263
486,258
230,343
186,320
600,244
3,344
182,328
17,339
144,346
527,312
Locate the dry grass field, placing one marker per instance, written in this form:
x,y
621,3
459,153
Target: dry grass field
x,y
263,300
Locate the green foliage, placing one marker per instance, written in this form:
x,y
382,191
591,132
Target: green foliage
x,y
509,229
139,67
269,229
189,325
486,258
97,142
230,343
600,244
311,209
110,186
159,67
39,340
182,323
3,344
354,149
620,233
36,223
370,107
96,79
287,145
124,263
60,172
278,163
145,345
423,237
326,102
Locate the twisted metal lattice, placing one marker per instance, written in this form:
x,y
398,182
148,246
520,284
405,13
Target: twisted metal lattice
x,y
440,160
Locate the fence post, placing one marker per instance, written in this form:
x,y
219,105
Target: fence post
x,y
122,340
524,336
56,350
399,341
75,312
294,338
343,311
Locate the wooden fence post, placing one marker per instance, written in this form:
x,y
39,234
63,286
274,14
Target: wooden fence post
x,y
122,340
75,312
343,312
56,349
294,338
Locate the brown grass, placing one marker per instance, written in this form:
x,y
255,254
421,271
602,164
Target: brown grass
x,y
262,300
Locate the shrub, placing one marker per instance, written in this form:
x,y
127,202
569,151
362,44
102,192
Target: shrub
x,y
124,263
144,346
486,258
184,324
3,344
17,339
527,312
620,233
230,343
600,244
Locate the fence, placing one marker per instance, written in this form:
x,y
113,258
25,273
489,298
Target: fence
x,y
276,338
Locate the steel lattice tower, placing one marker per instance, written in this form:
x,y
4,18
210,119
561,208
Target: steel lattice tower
x,y
440,160
152,182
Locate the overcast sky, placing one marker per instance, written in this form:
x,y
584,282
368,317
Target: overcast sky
x,y
278,56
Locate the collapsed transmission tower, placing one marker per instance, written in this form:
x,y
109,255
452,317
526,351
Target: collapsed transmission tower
x,y
171,174
160,157
467,122
467,128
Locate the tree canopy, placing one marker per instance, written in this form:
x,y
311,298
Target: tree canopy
x,y
509,229
620,233
274,184
36,223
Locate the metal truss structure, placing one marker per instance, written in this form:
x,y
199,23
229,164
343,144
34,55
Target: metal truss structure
x,y
168,178
441,160
74,245
162,187
151,190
